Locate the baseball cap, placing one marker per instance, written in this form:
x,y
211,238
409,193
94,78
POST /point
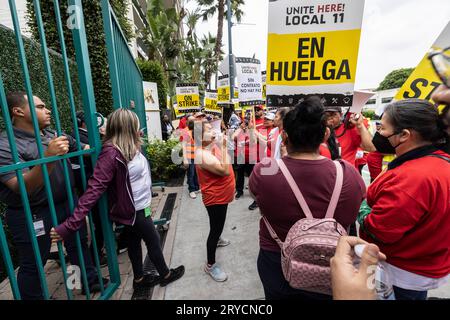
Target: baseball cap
x,y
270,116
332,109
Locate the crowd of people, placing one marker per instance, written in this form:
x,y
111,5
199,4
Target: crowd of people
x,y
294,159
407,200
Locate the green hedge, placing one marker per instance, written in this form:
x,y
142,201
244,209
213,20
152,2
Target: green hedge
x,y
153,71
13,77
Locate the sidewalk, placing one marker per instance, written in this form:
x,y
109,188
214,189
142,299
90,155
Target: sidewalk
x,y
238,259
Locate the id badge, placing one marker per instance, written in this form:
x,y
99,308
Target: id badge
x,y
39,228
148,212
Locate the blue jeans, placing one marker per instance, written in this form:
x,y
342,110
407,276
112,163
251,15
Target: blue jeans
x,y
192,178
28,276
405,294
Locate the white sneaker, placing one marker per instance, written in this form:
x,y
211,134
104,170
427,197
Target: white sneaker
x,y
223,242
197,192
216,273
193,195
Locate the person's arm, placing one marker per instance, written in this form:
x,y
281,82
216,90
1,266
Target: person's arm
x,y
104,173
393,214
33,178
349,283
366,137
210,163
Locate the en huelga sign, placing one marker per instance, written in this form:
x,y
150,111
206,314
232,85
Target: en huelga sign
x,y
313,50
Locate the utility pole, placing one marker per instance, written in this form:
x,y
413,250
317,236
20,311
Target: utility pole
x,y
230,51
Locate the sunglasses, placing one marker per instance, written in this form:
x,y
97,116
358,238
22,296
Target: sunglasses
x,y
440,60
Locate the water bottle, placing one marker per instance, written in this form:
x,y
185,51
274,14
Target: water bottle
x,y
383,284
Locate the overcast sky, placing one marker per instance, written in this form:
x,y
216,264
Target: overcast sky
x,y
395,34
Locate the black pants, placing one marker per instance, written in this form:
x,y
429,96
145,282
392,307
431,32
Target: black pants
x,y
275,285
144,229
98,233
241,170
28,276
217,215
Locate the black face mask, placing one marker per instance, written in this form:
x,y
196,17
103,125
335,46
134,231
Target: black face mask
x,y
382,143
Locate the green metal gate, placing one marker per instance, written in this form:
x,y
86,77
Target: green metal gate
x,y
126,78
126,81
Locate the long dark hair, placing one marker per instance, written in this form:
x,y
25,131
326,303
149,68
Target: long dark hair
x,y
333,145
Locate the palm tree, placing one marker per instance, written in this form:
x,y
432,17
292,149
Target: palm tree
x,y
210,8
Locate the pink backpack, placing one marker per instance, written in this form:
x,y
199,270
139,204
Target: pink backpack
x,y
311,242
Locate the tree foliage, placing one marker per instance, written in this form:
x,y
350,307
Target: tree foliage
x,y
153,71
95,39
395,79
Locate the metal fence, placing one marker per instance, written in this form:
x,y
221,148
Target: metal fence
x,y
126,78
126,83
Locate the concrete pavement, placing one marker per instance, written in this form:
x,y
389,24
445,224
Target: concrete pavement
x,y
238,259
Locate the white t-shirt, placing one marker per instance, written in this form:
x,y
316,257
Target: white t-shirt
x,y
277,151
141,182
411,281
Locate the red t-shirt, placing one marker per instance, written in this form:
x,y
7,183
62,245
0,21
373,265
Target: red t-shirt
x,y
324,150
216,189
316,180
182,123
349,142
410,216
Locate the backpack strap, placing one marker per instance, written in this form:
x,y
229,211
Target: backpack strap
x,y
336,192
272,232
295,189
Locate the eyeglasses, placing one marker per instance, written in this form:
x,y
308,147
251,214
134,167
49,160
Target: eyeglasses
x,y
440,60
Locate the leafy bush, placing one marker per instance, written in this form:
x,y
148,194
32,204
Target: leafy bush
x,y
159,154
369,114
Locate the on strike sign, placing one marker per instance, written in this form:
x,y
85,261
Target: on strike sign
x,y
313,50
188,98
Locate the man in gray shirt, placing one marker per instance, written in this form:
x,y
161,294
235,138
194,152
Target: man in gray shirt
x,y
28,277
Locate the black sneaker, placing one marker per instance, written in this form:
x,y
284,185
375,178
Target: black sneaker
x,y
95,287
239,194
149,281
253,206
175,274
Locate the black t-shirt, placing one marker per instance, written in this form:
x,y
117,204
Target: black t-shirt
x,y
27,151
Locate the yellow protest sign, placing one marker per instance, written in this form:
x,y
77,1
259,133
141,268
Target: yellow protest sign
x,y
320,41
210,103
424,80
178,113
188,98
223,89
263,80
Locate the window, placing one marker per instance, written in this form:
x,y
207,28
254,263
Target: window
x,y
386,100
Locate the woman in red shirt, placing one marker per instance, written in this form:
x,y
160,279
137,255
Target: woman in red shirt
x,y
304,130
216,178
410,216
